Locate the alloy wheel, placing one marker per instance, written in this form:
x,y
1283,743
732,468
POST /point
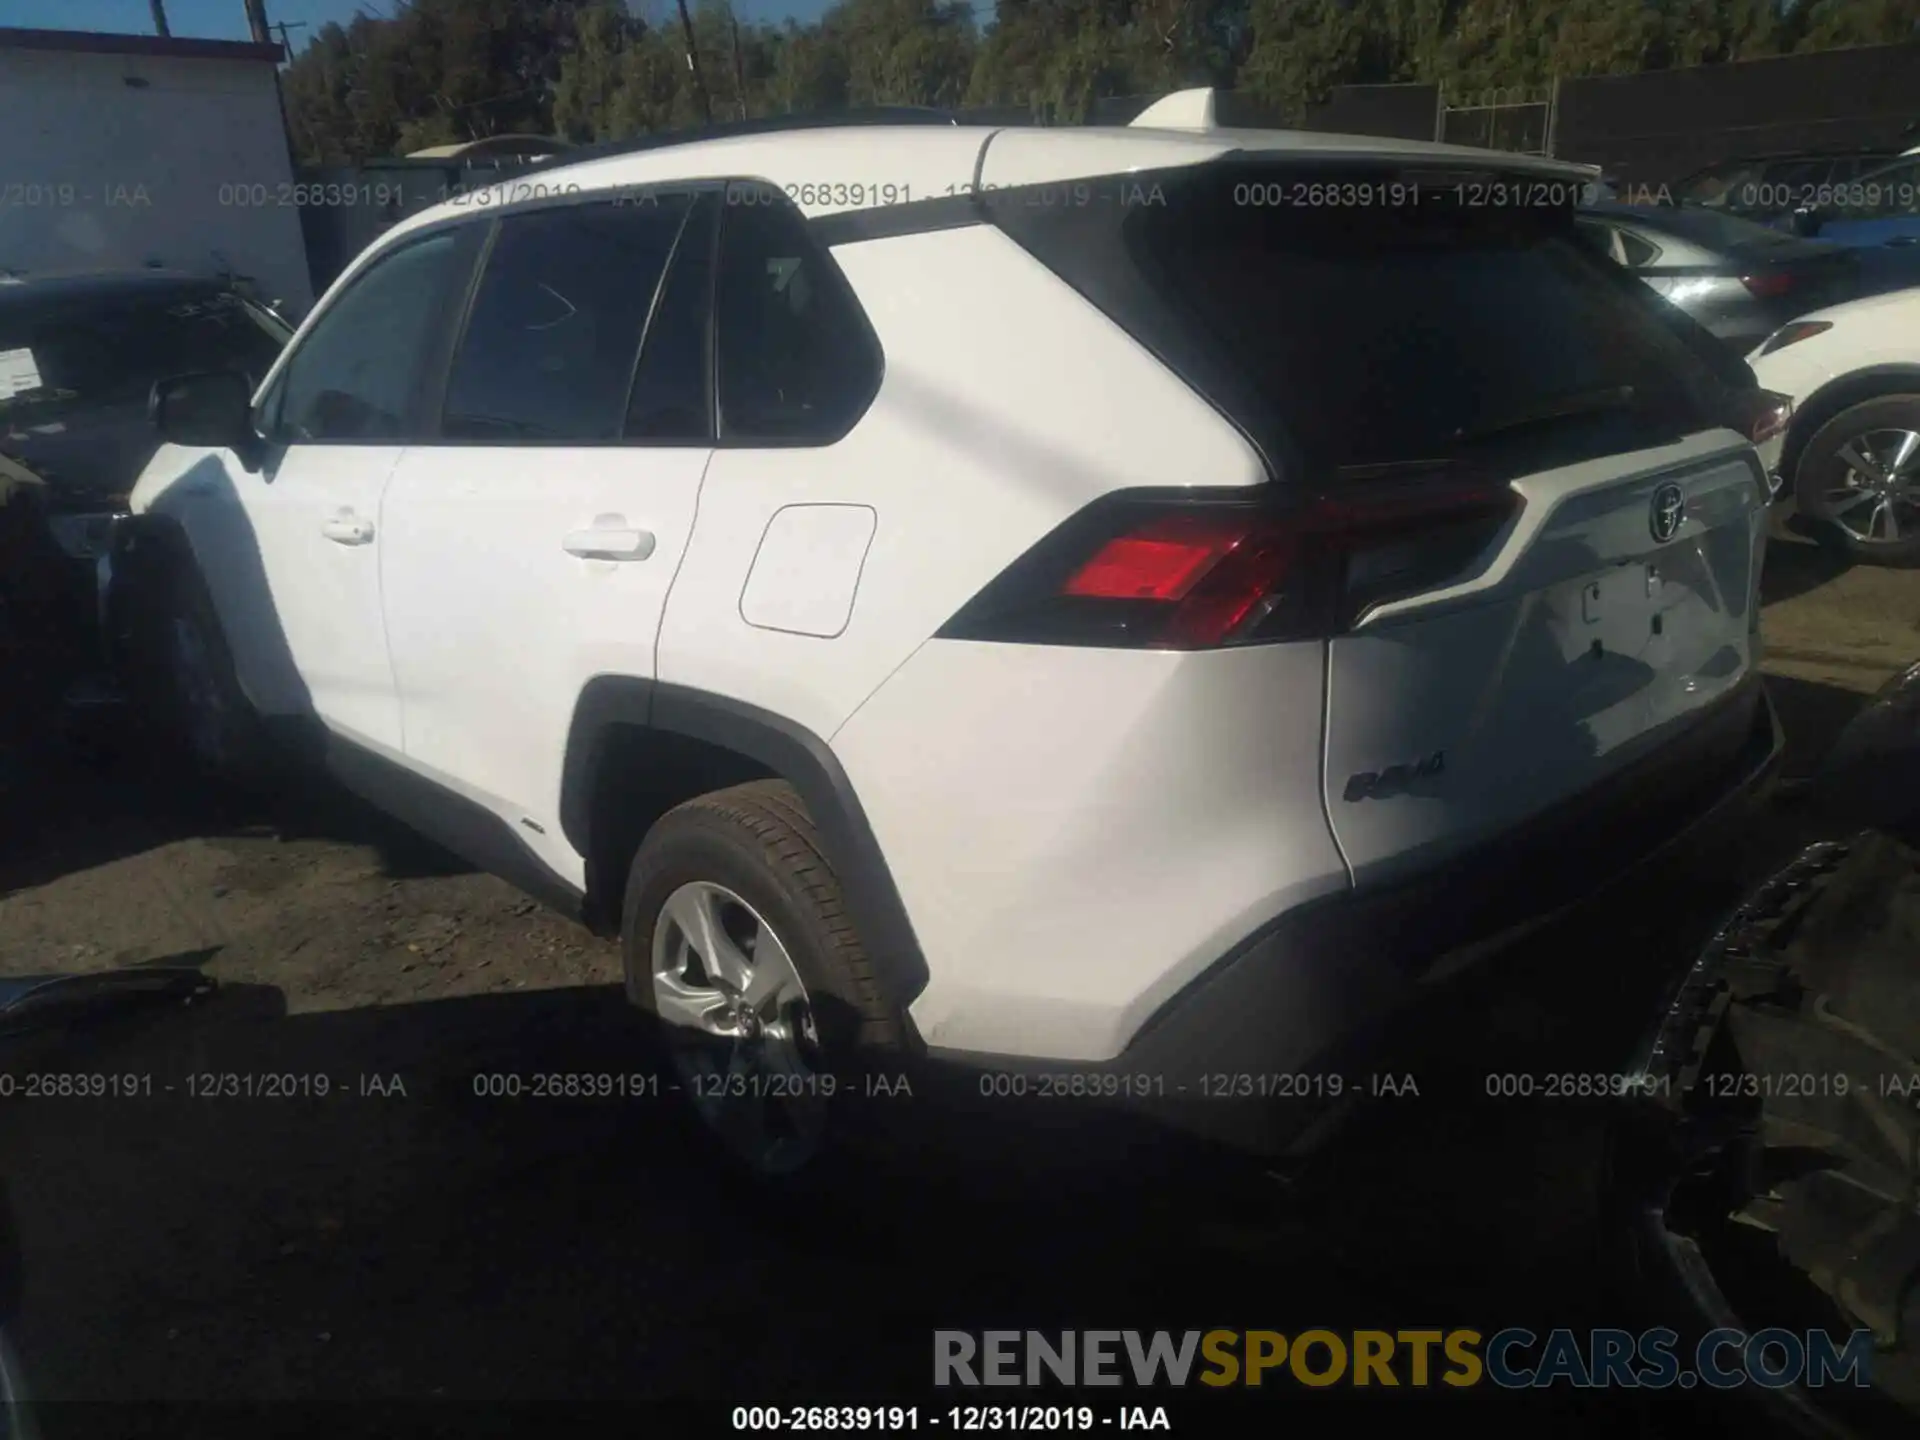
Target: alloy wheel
x,y
740,1027
1875,497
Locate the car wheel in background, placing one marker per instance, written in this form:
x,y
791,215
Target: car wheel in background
x,y
738,943
1859,480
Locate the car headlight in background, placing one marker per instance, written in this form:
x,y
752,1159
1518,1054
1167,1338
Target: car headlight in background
x,y
85,536
1793,334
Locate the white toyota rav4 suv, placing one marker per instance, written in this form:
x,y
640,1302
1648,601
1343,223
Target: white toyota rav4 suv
x,y
1115,603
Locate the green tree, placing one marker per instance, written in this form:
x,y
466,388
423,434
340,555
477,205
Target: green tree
x,y
592,75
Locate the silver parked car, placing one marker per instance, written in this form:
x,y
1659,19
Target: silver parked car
x,y
1740,280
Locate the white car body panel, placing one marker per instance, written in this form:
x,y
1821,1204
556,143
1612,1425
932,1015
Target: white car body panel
x,y
488,683
1078,833
950,458
1500,674
1879,330
319,643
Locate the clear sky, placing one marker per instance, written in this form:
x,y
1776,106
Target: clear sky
x,y
227,19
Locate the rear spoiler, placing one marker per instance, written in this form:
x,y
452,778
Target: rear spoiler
x,y
1182,110
1198,110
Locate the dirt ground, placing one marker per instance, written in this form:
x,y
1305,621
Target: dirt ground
x,y
404,1237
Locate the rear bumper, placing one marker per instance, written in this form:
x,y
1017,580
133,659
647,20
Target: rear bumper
x,y
1286,1032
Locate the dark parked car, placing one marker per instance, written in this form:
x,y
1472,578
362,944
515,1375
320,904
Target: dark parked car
x,y
1764,186
1878,218
78,358
1740,280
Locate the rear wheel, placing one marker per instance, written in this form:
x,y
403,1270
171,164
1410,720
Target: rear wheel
x,y
738,943
1859,481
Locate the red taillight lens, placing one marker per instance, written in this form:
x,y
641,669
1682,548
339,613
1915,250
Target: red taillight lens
x,y
1160,561
1769,284
1235,594
1193,574
1213,568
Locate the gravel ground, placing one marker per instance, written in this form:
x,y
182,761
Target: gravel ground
x,y
402,1237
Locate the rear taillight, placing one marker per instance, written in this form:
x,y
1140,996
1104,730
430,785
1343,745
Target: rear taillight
x,y
1195,571
1769,284
1763,415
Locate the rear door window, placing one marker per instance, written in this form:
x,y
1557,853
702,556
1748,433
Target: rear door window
x,y
554,337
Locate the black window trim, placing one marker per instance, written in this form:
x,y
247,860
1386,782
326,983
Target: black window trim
x,y
437,372
646,334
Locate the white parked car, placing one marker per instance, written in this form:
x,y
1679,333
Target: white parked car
x,y
1103,603
1851,454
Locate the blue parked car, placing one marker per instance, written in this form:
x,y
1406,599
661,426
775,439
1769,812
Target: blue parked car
x,y
1878,217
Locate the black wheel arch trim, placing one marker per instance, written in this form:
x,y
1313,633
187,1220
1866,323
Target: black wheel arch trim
x,y
790,751
149,550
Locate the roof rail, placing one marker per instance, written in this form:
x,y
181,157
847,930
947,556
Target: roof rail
x,y
769,125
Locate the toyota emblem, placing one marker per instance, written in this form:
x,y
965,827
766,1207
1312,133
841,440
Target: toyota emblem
x,y
1668,510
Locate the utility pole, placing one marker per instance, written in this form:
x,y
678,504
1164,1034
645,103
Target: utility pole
x,y
160,18
286,42
693,65
257,22
739,70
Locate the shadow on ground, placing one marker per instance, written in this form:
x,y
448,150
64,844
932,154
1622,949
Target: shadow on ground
x,y
76,798
1797,564
1812,714
404,1236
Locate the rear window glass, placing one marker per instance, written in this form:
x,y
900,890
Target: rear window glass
x,y
1397,331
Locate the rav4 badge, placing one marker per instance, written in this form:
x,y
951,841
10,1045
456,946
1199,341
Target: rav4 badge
x,y
1380,784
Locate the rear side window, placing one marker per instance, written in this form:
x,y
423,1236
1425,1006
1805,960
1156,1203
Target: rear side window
x,y
1881,194
554,336
1637,252
1404,332
797,363
357,375
1734,184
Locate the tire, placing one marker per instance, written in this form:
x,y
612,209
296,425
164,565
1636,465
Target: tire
x,y
204,717
749,857
1857,527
